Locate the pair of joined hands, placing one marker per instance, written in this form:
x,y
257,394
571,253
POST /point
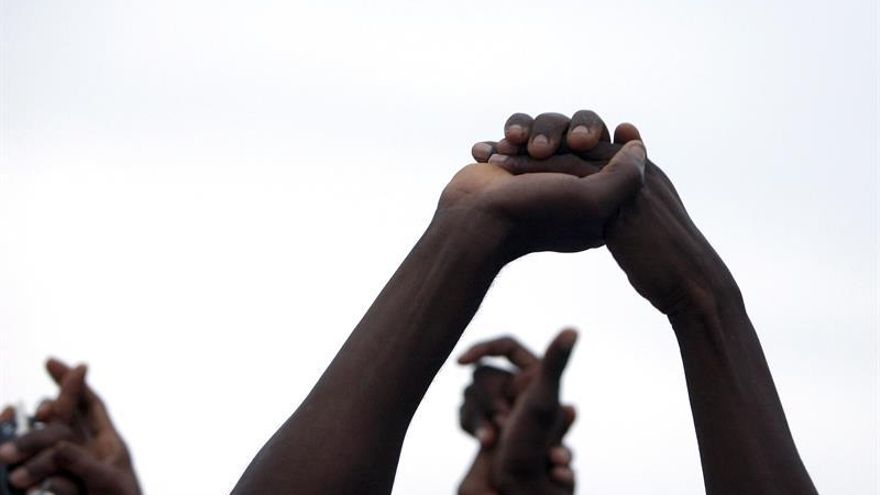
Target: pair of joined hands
x,y
75,449
560,184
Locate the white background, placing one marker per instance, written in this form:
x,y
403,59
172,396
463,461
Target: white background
x,y
200,199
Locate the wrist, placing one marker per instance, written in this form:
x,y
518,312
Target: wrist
x,y
475,233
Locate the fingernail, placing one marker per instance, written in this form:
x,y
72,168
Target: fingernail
x,y
19,478
637,150
482,149
516,130
8,452
497,159
540,140
580,131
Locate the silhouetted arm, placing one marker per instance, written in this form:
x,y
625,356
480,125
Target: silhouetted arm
x,y
346,436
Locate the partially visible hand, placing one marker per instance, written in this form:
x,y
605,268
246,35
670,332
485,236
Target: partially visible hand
x,y
665,257
547,211
520,445
536,424
79,442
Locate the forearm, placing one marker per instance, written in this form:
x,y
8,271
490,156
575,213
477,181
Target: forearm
x,y
347,434
744,439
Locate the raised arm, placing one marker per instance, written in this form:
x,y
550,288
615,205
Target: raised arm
x,y
347,434
744,439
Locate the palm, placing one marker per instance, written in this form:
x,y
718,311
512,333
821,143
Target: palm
x,y
545,211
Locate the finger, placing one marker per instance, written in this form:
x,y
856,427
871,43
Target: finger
x,y
585,131
35,470
7,415
81,464
487,434
483,150
44,411
569,414
478,478
560,455
59,485
563,475
616,182
563,164
71,394
625,133
517,128
34,441
57,369
556,357
507,347
505,147
546,135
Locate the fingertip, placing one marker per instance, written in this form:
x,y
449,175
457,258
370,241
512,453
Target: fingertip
x,y
482,151
9,453
497,159
570,413
567,338
486,435
515,133
517,127
581,138
540,147
625,133
560,455
632,154
562,475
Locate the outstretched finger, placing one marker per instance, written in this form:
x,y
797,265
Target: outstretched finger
x,y
57,369
556,358
507,347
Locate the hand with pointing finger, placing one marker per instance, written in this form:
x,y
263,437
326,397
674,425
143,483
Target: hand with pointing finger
x,y
518,420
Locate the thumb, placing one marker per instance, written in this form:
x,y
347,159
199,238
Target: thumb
x,y
556,358
619,180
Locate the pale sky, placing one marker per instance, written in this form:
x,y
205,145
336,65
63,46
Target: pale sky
x,y
200,199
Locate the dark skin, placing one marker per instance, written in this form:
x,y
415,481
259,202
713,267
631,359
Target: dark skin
x,y
347,434
518,420
744,439
79,450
